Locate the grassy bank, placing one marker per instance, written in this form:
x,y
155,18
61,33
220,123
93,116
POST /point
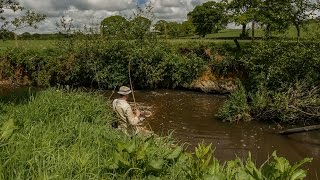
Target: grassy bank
x,y
58,134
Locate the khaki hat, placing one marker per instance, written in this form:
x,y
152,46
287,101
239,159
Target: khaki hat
x,y
124,90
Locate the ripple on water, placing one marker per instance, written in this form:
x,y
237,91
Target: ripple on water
x,y
192,116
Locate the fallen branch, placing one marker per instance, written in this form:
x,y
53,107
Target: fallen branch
x,y
299,130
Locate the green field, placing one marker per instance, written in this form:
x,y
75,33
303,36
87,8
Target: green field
x,y
32,44
46,44
309,31
223,36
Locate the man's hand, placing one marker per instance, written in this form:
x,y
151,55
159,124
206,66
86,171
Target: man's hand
x,y
137,113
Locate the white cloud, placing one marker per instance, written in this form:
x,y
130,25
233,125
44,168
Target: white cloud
x,y
86,12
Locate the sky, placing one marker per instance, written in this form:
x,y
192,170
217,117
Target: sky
x,y
91,12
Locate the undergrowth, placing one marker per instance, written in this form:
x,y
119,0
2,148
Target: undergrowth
x,y
281,83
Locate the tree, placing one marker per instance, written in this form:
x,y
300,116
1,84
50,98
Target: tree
x,y
301,11
187,28
114,26
209,17
11,5
274,15
243,12
279,15
65,25
6,35
174,29
161,26
29,19
140,27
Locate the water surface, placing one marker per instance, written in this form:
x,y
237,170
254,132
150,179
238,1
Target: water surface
x,y
192,116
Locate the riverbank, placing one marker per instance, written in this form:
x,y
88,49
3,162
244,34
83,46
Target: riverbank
x,y
278,80
63,134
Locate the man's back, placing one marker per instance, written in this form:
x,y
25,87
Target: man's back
x,y
127,120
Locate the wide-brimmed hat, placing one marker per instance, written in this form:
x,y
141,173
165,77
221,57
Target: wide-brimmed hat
x,y
124,90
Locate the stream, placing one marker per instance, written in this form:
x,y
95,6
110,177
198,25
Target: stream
x,y
192,118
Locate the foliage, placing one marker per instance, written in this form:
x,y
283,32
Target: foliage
x,y
187,28
30,18
175,29
60,134
274,15
236,107
209,17
278,64
6,35
140,28
244,11
299,104
281,82
114,26
301,11
98,62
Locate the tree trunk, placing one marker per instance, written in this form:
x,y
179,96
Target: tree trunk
x,y
101,31
244,28
268,32
252,30
165,31
237,43
16,39
298,31
299,130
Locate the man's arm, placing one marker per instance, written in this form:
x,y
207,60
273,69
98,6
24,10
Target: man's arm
x,y
133,119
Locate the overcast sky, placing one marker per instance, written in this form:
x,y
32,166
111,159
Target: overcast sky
x,y
89,12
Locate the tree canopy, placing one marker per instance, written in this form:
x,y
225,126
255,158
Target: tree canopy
x,y
30,18
301,11
140,27
243,12
274,15
209,17
114,26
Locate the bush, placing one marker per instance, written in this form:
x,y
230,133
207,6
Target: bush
x,y
101,63
278,65
281,82
236,107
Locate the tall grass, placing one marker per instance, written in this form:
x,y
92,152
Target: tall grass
x,y
55,134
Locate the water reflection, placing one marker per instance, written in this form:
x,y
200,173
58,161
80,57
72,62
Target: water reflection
x,y
192,116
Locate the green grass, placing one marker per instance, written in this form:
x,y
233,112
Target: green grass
x,y
309,31
57,134
28,44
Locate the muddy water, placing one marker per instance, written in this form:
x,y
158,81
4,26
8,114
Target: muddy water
x,y
192,117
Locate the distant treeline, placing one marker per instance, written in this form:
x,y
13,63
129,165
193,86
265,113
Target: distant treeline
x,y
8,35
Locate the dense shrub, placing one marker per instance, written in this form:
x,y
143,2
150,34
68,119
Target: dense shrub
x,y
281,82
278,65
236,107
102,63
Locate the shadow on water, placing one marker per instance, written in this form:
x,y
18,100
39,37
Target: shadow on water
x,y
20,95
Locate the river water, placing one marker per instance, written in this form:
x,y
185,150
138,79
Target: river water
x,y
192,118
